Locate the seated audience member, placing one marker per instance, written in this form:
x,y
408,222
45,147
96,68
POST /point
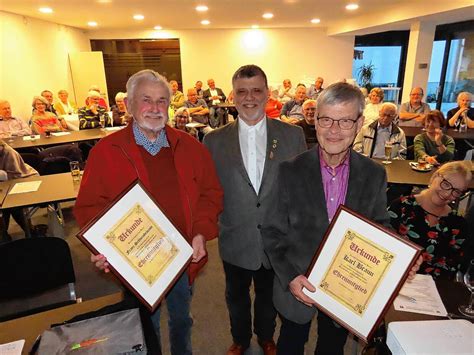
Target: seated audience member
x,y
371,111
43,121
120,115
213,97
273,107
64,106
434,146
181,119
177,97
231,110
413,112
199,90
48,95
287,92
90,115
292,111
463,111
12,166
309,110
371,139
197,107
9,125
428,220
102,101
316,88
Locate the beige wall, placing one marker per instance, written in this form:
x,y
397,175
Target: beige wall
x,y
34,57
299,54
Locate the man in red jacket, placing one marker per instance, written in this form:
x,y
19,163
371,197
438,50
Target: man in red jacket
x,y
175,168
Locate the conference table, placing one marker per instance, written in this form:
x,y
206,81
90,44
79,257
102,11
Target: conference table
x,y
411,132
70,137
30,327
400,172
53,190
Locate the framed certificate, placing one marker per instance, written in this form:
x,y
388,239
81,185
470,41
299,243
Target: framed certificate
x,y
358,270
142,246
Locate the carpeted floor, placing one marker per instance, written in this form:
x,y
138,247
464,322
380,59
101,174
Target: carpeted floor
x,y
211,330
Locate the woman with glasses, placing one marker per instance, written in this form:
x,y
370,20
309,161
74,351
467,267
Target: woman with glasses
x,y
181,119
433,146
429,220
42,120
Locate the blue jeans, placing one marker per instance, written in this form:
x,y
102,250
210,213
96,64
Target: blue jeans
x,y
178,302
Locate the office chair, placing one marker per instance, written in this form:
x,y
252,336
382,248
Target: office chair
x,y
36,274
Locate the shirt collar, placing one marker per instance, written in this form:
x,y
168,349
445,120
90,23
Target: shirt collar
x,y
380,128
324,165
151,147
259,127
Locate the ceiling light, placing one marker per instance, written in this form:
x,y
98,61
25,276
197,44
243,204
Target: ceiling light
x,y
255,27
315,20
138,17
158,28
92,23
205,22
46,10
202,8
352,7
267,15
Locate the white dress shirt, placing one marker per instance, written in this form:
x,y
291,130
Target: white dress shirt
x,y
253,147
213,92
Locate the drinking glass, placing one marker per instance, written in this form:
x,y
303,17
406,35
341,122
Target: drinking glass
x,y
75,170
468,310
388,153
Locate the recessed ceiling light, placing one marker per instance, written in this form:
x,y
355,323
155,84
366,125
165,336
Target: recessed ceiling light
x,y
202,8
205,22
352,7
92,23
267,15
158,28
255,27
315,20
46,10
138,17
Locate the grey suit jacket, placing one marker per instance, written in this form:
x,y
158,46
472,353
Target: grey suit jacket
x,y
293,230
240,242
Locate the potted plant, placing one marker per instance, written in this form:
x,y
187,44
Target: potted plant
x,y
366,73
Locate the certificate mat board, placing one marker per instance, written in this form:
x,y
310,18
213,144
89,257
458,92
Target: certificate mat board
x,y
142,246
358,270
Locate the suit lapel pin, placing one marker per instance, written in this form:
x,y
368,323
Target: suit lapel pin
x,y
274,145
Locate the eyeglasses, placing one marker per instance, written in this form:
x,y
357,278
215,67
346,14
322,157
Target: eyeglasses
x,y
447,186
327,122
181,116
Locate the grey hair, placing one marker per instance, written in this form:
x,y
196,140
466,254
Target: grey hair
x,y
464,93
62,91
146,75
181,110
341,93
120,96
307,102
41,98
389,104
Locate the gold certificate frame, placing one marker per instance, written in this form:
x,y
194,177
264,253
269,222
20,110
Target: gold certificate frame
x,y
144,249
358,270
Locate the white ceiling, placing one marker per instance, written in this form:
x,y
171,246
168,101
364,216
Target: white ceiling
x,y
181,14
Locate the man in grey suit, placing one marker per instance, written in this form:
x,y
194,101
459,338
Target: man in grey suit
x,y
310,188
246,153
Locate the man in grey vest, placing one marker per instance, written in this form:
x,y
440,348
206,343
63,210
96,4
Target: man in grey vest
x,y
247,153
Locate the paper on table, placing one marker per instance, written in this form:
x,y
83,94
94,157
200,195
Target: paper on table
x,y
59,134
13,348
426,298
116,128
22,187
29,138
